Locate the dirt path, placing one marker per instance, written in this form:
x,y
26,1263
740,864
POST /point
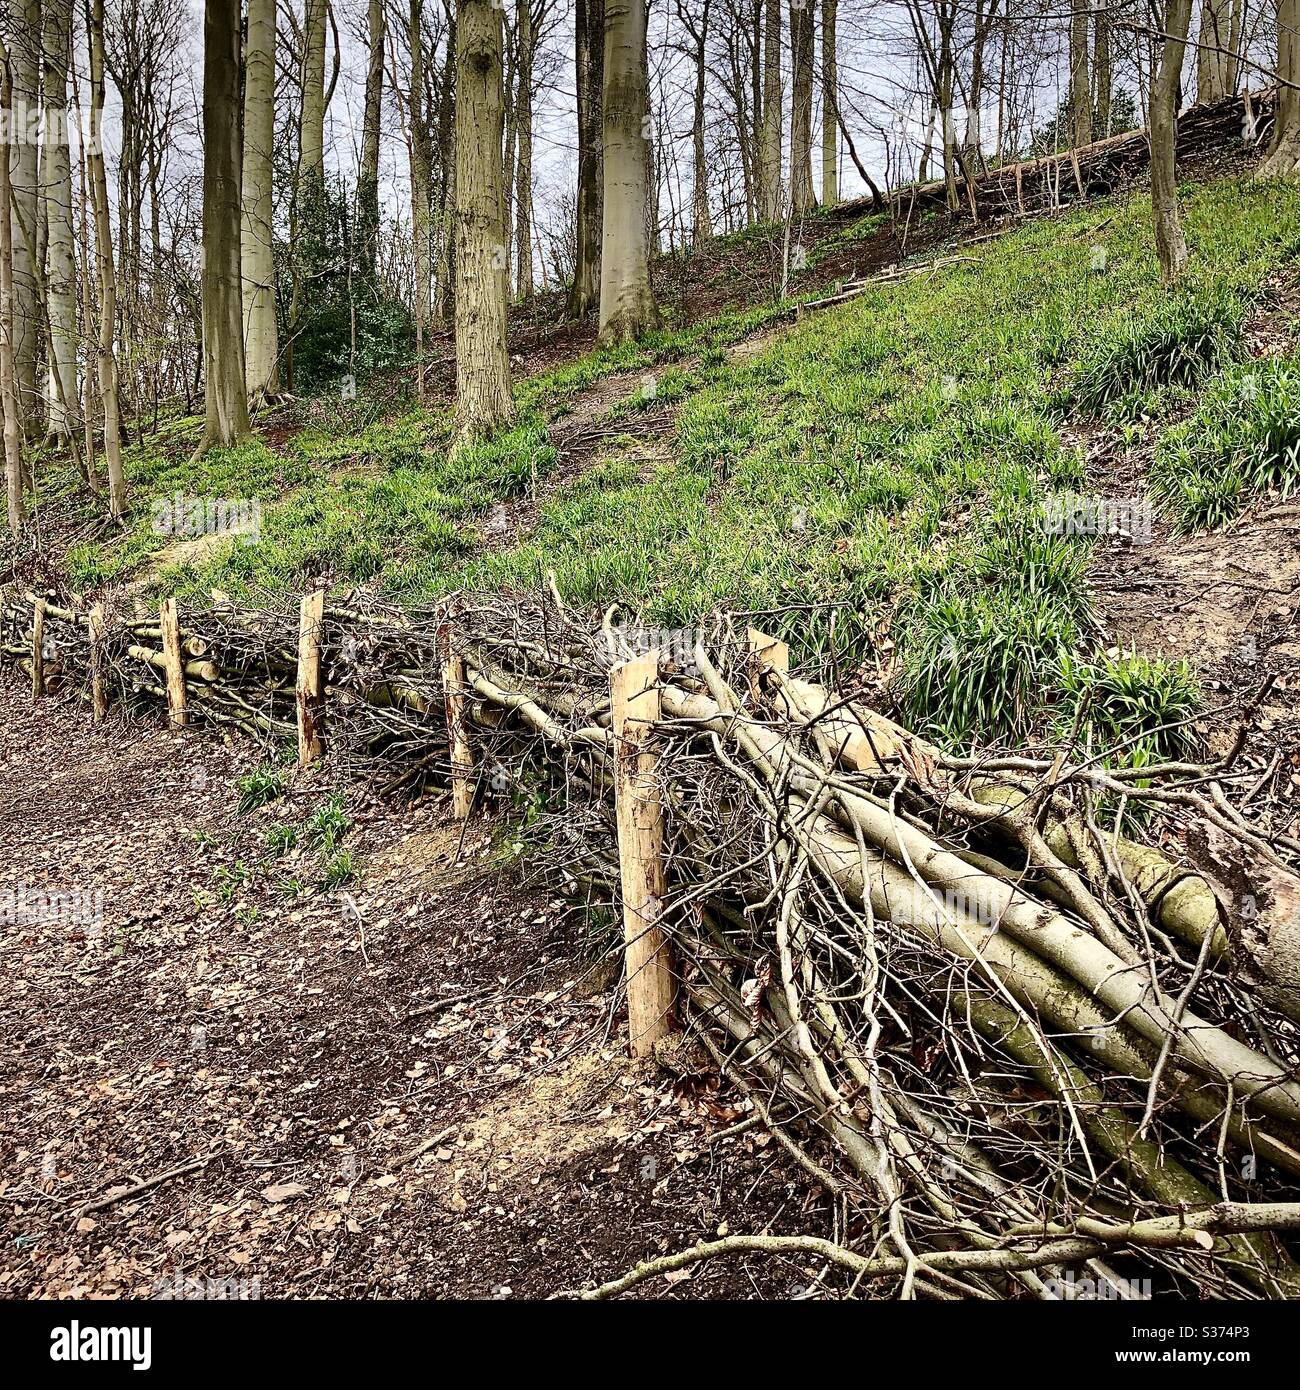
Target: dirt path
x,y
408,1086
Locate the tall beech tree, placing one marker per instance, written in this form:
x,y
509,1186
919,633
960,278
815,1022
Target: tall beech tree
x,y
15,502
770,153
24,34
1171,245
802,196
1283,160
830,103
368,177
589,74
106,354
483,397
225,391
261,337
62,391
627,305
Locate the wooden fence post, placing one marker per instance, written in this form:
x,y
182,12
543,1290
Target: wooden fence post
x,y
634,703
38,648
175,663
98,692
308,690
454,681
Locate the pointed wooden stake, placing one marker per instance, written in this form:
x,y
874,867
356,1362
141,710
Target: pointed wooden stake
x,y
454,681
634,702
38,649
175,663
98,691
308,688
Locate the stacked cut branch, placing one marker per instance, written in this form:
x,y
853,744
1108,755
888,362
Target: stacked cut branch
x,y
1090,171
1032,1046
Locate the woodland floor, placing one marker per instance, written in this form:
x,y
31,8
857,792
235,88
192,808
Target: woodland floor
x,y
413,1087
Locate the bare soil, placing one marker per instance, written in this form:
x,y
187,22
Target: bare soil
x,y
410,1086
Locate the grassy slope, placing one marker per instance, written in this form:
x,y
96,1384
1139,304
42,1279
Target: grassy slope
x,y
882,463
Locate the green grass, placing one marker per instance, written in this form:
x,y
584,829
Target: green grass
x,y
1176,343
879,466
1244,441
1134,708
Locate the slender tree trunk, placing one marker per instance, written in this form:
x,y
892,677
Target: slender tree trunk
x,y
755,210
1215,53
1283,159
8,382
1080,83
1102,69
24,36
261,339
106,355
830,105
225,391
445,304
61,281
368,179
802,197
1171,246
701,222
524,128
972,138
312,148
627,306
772,113
421,178
589,64
483,396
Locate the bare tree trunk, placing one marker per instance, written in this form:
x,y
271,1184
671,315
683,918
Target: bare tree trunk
x,y
261,338
701,223
524,134
830,105
1215,53
1171,246
445,307
772,113
483,397
24,35
627,306
1102,69
8,382
1080,82
589,64
61,283
421,177
1283,159
106,354
368,179
225,392
802,196
312,146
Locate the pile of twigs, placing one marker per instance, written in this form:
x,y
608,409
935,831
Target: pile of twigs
x,y
1037,1046
1042,1051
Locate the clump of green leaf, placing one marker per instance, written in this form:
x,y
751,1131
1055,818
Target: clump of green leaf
x,y
1179,342
1136,709
327,825
264,784
281,838
1244,441
976,666
339,869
